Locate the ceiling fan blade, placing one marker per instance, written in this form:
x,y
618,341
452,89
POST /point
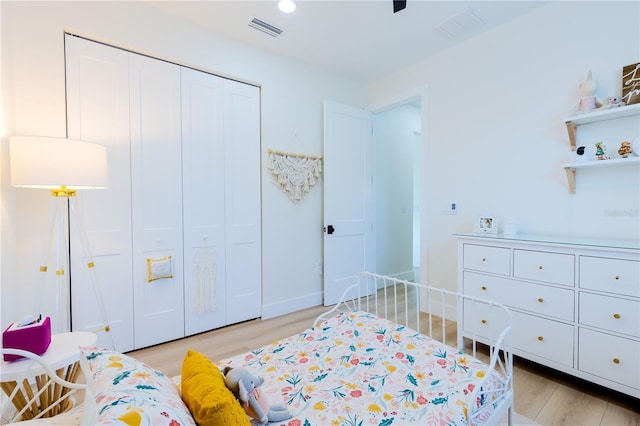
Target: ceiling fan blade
x,y
398,5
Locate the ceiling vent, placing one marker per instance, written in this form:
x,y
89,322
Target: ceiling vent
x,y
461,24
265,28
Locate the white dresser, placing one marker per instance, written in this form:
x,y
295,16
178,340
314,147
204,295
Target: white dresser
x,y
575,302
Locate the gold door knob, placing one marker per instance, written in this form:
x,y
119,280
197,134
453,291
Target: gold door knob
x,y
540,300
616,316
540,338
483,321
483,288
616,361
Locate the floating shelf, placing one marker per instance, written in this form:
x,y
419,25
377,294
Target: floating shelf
x,y
570,168
591,117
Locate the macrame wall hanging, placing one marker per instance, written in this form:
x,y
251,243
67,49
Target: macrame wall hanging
x,y
205,279
295,174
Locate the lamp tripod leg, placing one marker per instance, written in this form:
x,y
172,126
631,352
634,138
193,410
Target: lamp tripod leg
x,y
78,226
44,259
57,224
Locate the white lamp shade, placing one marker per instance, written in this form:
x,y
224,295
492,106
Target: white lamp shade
x,y
45,162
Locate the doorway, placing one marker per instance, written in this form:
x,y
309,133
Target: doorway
x,y
397,144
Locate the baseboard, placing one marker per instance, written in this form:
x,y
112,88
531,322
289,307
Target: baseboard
x,y
291,305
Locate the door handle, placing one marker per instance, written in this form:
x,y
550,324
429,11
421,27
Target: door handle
x,y
330,229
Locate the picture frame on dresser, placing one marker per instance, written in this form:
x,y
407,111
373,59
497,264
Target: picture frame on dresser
x,y
486,224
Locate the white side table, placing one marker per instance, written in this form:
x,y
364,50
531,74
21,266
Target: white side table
x,y
62,356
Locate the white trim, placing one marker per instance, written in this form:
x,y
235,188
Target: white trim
x,y
410,95
123,46
400,99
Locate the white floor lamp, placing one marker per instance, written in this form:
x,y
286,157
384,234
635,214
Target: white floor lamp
x,y
62,166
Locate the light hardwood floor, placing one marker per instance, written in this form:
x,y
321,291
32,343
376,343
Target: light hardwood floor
x,y
541,394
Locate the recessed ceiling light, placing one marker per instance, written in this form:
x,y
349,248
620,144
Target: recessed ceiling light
x,y
287,6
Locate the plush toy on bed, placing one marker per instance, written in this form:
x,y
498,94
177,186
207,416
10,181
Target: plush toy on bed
x,y
245,386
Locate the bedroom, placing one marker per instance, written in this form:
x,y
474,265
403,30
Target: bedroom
x,y
513,135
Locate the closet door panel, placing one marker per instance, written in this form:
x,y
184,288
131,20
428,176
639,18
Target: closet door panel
x,y
98,111
203,201
242,201
156,179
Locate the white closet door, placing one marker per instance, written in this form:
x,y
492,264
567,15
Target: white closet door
x,y
156,179
242,201
203,200
98,111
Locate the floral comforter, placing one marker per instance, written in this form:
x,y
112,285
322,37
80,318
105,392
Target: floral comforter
x,y
359,369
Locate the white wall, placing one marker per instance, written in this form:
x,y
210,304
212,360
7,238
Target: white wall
x,y
494,129
33,97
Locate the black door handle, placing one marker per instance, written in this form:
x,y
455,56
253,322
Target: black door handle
x,y
330,229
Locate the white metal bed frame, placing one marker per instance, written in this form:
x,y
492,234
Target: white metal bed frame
x,y
402,302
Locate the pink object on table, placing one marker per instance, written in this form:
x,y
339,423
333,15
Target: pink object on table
x,y
34,337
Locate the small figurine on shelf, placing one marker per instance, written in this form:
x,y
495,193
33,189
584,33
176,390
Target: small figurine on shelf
x,y
601,151
612,102
587,100
625,149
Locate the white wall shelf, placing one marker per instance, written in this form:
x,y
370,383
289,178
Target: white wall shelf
x,y
570,168
592,117
574,121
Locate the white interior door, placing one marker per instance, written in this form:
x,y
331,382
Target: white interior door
x,y
348,237
203,171
156,182
98,111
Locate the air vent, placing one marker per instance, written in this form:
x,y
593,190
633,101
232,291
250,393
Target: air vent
x,y
461,24
265,28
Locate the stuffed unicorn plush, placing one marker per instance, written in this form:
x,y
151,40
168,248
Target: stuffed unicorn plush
x,y
245,387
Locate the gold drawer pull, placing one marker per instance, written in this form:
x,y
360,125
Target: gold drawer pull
x,y
540,300
616,361
616,316
540,267
483,321
540,338
617,277
483,288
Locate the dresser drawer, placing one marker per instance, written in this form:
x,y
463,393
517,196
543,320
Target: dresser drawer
x,y
538,336
610,357
610,313
481,320
494,260
555,268
617,276
544,338
539,298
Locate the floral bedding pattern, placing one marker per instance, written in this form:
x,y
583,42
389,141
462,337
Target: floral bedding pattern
x,y
358,369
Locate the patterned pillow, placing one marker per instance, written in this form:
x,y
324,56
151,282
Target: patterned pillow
x,y
121,389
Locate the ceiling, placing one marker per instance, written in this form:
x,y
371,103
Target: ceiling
x,y
358,39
